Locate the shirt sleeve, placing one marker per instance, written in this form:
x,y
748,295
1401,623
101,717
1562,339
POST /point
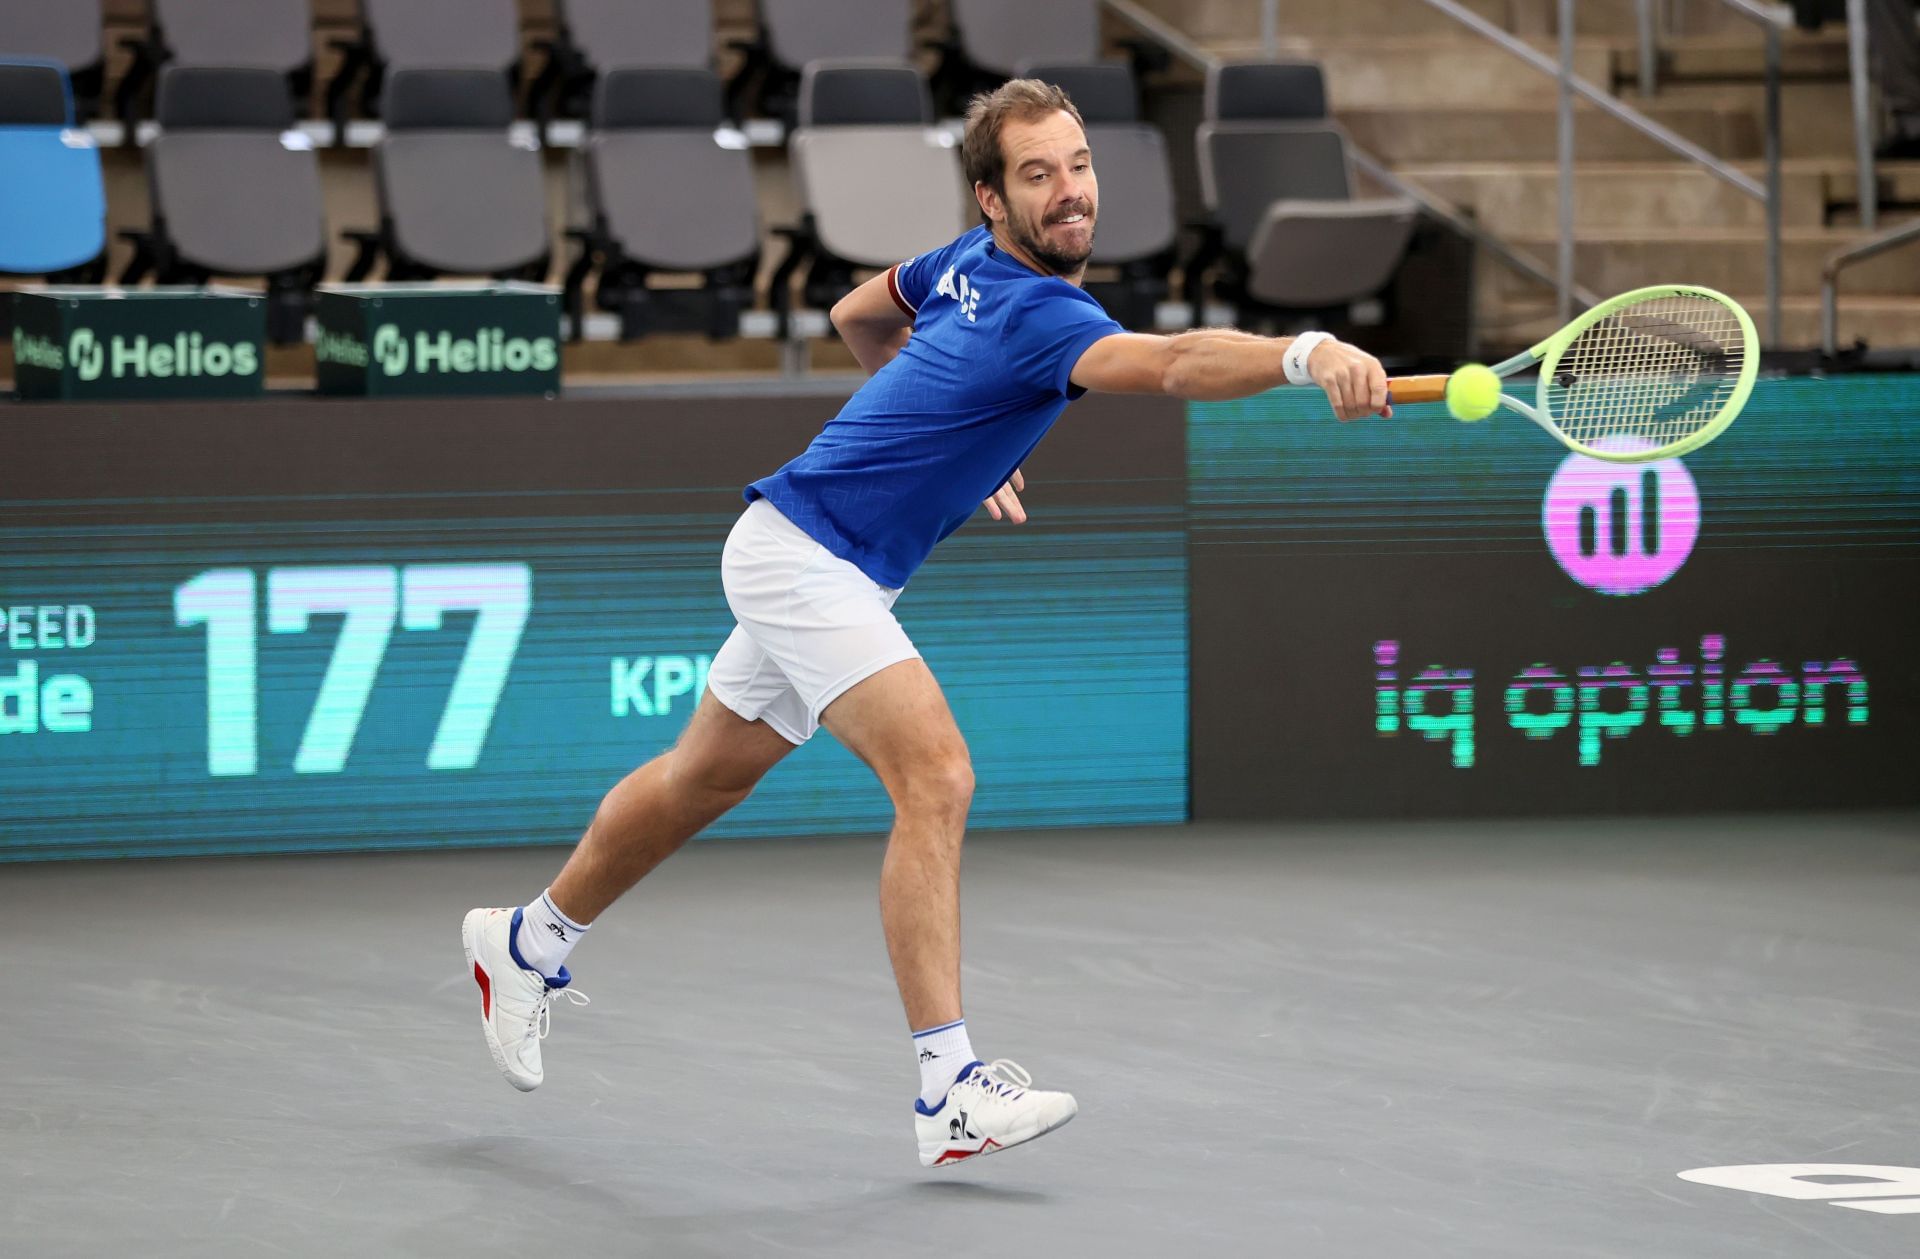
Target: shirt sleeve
x,y
911,281
1049,333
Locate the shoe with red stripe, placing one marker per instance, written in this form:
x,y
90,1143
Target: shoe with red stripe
x,y
988,1109
514,997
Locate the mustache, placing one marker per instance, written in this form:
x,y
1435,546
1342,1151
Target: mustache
x,y
1082,206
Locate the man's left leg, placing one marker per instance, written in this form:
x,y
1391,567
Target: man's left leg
x,y
647,817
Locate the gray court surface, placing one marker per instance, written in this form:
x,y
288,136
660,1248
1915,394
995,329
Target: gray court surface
x,y
1342,1041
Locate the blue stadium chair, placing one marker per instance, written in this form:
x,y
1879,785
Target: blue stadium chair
x,y
53,204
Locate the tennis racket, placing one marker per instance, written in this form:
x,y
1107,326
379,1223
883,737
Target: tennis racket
x,y
1648,375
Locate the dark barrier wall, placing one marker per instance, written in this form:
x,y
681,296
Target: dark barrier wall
x,y
312,625
1418,617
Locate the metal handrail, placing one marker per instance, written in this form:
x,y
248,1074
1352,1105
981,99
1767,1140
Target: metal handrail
x,y
1830,277
1767,194
1780,17
1199,58
1648,36
1861,91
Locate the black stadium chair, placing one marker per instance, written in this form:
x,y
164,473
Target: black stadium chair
x,y
1266,91
458,194
999,36
701,221
235,191
593,37
993,40
67,32
796,33
876,185
398,35
1277,181
1137,240
253,34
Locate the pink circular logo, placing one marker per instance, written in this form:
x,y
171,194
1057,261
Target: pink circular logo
x,y
1621,528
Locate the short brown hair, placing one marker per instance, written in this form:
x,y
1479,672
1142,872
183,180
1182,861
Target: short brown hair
x,y
1022,100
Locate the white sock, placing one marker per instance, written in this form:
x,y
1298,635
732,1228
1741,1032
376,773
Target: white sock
x,y
546,935
942,1051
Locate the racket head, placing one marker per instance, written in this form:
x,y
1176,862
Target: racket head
x,y
1650,374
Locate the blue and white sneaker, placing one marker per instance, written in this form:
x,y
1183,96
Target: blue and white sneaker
x,y
514,997
988,1109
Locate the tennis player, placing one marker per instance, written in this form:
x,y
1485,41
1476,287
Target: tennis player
x,y
974,350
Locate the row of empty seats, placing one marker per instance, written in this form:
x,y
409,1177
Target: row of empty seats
x,y
989,41
674,231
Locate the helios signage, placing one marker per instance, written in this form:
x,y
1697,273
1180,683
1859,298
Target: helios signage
x,y
418,339
169,342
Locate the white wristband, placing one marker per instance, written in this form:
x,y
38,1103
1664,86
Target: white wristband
x,y
1294,361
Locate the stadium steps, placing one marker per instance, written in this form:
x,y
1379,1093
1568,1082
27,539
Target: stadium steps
x,y
1455,57
1733,260
1466,120
1816,118
1415,71
1529,132
1741,55
1518,198
1228,22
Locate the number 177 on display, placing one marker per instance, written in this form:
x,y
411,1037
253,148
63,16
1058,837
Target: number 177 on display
x,y
371,599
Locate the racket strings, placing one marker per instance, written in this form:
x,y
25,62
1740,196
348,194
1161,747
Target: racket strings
x,y
1655,372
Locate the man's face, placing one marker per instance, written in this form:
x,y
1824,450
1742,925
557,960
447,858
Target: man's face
x,y
1052,198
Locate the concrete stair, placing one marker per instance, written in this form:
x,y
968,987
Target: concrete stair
x,y
1741,54
1410,71
1230,22
1530,132
1517,198
1816,118
1612,260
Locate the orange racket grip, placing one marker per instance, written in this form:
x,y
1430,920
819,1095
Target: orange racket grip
x,y
1416,389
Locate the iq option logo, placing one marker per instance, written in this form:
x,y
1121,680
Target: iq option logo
x,y
1620,529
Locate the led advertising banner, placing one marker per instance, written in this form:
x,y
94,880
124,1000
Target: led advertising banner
x,y
1416,617
325,625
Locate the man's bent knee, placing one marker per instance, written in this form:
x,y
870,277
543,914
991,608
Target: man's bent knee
x,y
941,785
724,783
722,756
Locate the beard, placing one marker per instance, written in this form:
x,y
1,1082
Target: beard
x,y
1032,237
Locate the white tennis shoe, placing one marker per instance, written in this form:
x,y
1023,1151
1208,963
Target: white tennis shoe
x,y
988,1109
514,997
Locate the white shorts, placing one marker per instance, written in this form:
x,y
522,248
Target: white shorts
x,y
811,625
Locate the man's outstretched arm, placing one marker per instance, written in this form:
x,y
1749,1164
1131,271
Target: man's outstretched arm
x,y
1216,364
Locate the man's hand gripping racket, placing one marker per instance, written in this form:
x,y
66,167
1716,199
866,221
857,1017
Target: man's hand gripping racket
x,y
1651,374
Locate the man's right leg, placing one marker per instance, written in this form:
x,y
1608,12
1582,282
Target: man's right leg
x,y
649,815
898,722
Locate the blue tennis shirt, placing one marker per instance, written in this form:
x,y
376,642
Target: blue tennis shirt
x,y
941,427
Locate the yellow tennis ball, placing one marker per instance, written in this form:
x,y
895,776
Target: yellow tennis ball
x,y
1472,392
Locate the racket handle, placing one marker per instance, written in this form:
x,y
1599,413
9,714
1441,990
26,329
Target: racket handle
x,y
1401,389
